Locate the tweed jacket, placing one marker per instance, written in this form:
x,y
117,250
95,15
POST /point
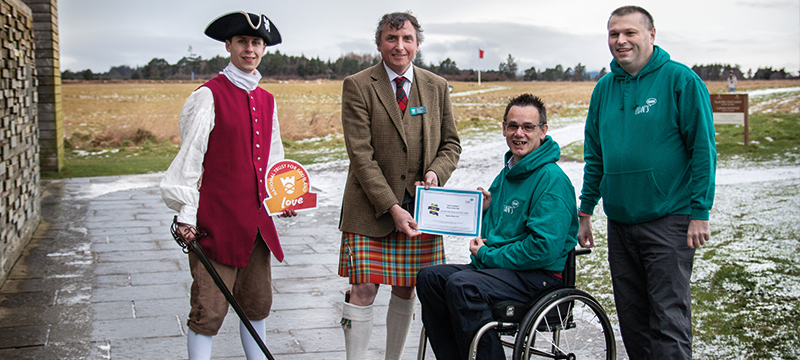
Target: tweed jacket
x,y
377,144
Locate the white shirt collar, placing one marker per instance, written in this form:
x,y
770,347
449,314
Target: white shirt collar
x,y
242,80
409,74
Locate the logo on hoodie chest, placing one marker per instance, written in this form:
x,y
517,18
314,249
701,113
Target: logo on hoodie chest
x,y
644,109
510,208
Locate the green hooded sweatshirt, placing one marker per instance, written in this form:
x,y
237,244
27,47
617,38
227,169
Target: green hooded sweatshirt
x,y
532,220
649,145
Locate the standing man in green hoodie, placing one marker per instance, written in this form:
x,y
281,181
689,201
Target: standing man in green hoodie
x,y
530,223
650,154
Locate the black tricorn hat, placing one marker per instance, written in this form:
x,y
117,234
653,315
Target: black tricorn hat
x,y
240,23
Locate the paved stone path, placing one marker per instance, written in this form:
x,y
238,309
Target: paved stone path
x,y
103,279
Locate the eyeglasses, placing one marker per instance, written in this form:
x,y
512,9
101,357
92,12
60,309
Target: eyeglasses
x,y
526,127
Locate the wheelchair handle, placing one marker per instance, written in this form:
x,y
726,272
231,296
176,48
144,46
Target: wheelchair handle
x,y
582,251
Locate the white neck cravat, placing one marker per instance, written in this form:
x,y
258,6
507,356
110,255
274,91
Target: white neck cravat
x,y
241,79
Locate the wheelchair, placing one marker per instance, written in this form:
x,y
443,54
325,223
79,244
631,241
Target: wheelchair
x,y
560,323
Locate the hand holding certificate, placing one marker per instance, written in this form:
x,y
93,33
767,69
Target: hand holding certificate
x,y
448,211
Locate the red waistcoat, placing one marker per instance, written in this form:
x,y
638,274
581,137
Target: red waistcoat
x,y
234,166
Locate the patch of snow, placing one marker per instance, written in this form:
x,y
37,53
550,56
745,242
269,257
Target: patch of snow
x,y
481,91
101,152
120,183
740,176
79,230
765,92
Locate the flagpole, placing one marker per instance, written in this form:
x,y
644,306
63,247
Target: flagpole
x,y
480,56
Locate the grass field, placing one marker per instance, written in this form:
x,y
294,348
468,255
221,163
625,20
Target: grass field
x,y
140,119
107,114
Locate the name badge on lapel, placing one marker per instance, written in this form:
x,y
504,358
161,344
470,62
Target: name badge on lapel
x,y
419,110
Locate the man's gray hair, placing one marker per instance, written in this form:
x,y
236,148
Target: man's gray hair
x,y
631,9
396,21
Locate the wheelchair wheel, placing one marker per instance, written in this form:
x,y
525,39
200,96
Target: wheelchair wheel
x,y
565,324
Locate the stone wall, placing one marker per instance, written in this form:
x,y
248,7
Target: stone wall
x,y
48,75
19,133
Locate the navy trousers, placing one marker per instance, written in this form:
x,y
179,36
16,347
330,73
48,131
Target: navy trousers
x,y
457,301
651,268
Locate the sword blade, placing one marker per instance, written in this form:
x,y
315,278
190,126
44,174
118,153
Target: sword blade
x,y
231,300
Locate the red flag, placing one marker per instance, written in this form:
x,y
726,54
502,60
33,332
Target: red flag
x,y
480,53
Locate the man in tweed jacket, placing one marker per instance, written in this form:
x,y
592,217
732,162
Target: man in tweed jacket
x,y
399,133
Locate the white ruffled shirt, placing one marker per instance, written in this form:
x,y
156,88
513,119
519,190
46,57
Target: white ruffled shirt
x,y
180,187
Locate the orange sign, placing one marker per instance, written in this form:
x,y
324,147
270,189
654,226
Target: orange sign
x,y
288,188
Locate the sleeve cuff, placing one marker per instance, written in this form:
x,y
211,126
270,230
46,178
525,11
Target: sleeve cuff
x,y
188,215
699,214
586,209
482,251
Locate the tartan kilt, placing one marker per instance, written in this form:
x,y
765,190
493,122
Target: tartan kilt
x,y
391,260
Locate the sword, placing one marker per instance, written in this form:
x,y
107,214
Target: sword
x,y
194,246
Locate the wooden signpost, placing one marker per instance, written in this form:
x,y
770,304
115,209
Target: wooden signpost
x,y
732,109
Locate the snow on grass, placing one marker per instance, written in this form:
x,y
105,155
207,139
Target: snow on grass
x,y
767,92
774,100
105,185
481,91
746,282
95,153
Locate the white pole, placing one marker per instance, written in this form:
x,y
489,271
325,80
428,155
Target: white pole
x,y
479,77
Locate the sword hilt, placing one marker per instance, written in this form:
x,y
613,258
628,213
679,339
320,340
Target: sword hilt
x,y
181,239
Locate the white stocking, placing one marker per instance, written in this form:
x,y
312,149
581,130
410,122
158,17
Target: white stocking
x,y
398,321
251,349
199,345
357,325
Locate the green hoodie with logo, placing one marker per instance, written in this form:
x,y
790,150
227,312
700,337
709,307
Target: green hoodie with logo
x,y
532,220
649,145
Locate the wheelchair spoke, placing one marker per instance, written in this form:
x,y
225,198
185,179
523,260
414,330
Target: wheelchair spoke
x,y
564,322
555,349
569,327
593,320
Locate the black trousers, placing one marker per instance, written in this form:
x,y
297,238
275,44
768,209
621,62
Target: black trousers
x,y
457,301
651,268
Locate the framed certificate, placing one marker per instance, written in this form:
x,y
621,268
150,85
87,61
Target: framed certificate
x,y
449,211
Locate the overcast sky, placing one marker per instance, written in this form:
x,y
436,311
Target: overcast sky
x,y
99,34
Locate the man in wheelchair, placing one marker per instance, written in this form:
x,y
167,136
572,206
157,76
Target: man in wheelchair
x,y
530,224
